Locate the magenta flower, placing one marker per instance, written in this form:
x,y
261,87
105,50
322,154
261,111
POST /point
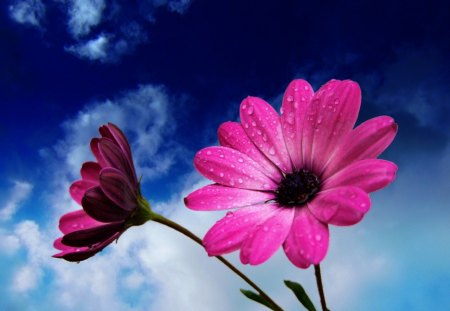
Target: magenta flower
x,y
109,194
288,177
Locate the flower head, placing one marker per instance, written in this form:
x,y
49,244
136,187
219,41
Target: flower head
x,y
288,177
110,196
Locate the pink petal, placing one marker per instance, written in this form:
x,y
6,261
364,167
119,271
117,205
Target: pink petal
x,y
231,134
343,206
217,197
114,157
307,242
366,141
99,207
369,175
78,254
91,236
90,171
96,152
113,132
296,100
79,187
118,189
76,220
228,233
232,168
331,115
266,238
262,125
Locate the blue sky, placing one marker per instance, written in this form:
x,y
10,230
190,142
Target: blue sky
x,y
169,72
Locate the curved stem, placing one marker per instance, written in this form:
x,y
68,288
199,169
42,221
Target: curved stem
x,y
320,288
167,222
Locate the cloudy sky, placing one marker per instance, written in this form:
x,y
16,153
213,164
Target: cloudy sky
x,y
169,72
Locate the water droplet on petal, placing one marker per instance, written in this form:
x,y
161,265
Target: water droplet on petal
x,y
265,228
250,110
272,151
208,152
240,160
240,180
290,98
229,214
318,237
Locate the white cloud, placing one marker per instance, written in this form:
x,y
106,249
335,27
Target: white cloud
x,y
84,15
93,49
143,114
26,279
98,29
108,48
29,12
18,194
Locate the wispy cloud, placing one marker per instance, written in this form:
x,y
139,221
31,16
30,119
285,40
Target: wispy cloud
x,y
18,194
99,30
29,12
94,49
84,15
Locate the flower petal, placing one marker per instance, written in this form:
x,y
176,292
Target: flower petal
x,y
78,188
307,242
343,206
366,141
217,197
90,171
232,168
96,152
91,236
296,100
231,134
228,233
98,206
369,175
115,157
331,115
262,125
118,189
113,132
77,254
266,238
77,220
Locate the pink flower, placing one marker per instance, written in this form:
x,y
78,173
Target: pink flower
x,y
288,177
109,194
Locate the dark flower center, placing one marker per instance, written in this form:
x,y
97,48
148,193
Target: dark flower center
x,y
297,188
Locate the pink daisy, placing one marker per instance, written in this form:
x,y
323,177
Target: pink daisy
x,y
109,193
288,177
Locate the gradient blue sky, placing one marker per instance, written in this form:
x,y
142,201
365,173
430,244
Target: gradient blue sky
x,y
169,72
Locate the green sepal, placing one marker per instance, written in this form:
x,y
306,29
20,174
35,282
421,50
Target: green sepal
x,y
256,297
301,295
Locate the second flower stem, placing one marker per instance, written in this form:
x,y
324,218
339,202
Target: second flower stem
x,y
167,222
320,288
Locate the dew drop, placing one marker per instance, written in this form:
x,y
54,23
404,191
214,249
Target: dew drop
x,y
318,237
265,228
221,174
266,186
240,180
250,110
240,160
222,156
272,151
244,106
208,152
290,98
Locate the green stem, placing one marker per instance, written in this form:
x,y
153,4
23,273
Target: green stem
x,y
167,222
320,287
